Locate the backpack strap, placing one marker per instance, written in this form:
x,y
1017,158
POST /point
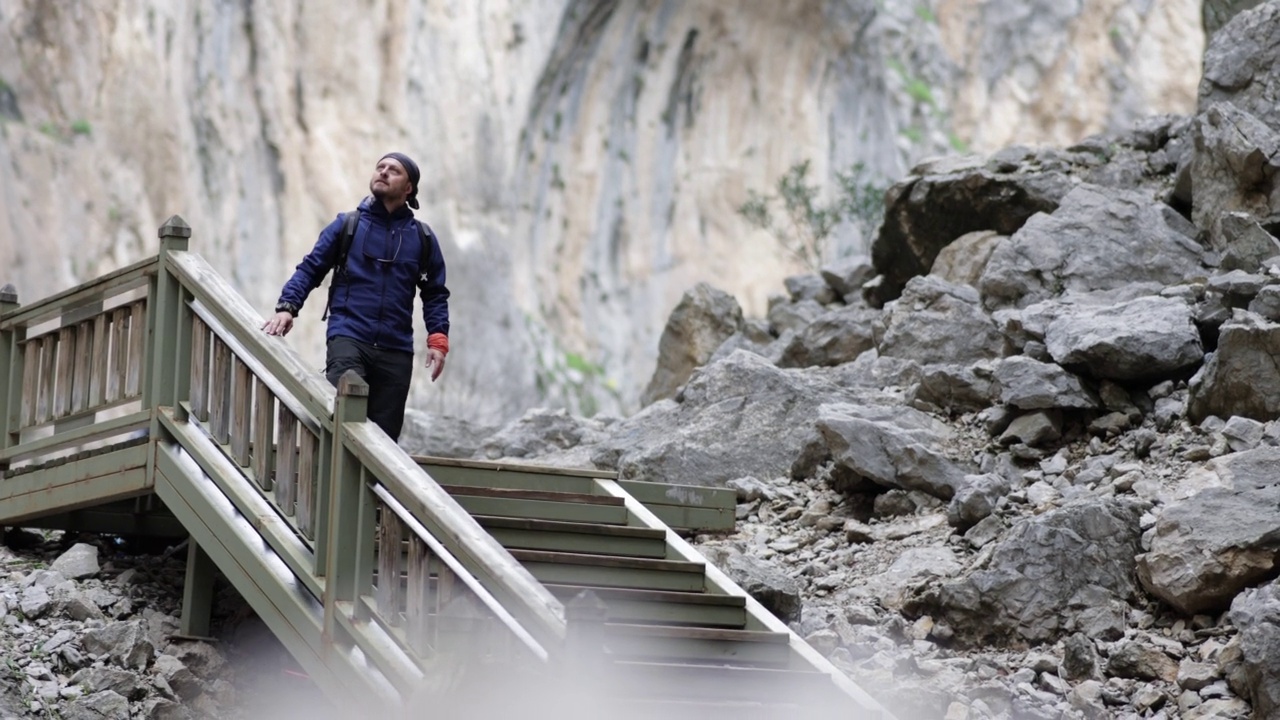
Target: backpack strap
x,y
349,222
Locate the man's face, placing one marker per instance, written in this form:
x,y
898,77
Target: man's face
x,y
390,182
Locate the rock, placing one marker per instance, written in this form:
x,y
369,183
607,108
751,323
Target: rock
x,y
1232,167
962,262
1079,658
736,417
976,499
893,586
1196,675
834,338
1240,378
807,287
542,434
1242,241
1035,429
105,705
703,319
1243,433
938,322
891,447
441,436
1256,612
1141,661
35,602
79,561
1148,339
926,211
1240,57
1098,239
848,274
1248,469
104,678
785,315
957,388
125,642
1020,593
178,676
1033,385
1266,303
768,584
1208,548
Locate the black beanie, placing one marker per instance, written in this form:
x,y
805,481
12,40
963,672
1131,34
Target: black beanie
x,y
410,168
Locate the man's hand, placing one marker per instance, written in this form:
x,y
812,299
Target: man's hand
x,y
279,324
435,363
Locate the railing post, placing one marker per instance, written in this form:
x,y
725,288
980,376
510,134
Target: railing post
x,y
11,369
168,377
350,514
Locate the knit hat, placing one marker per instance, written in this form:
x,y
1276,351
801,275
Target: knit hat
x,y
411,169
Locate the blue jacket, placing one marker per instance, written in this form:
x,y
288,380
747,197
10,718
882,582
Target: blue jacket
x,y
373,300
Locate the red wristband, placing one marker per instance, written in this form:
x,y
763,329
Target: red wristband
x,y
438,341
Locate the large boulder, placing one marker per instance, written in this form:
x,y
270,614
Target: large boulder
x,y
1256,613
1041,575
963,261
703,319
889,447
1241,377
1241,57
1208,548
1098,239
1150,338
740,416
550,436
1028,384
935,321
1233,169
945,199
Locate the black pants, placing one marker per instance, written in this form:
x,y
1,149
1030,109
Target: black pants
x,y
388,373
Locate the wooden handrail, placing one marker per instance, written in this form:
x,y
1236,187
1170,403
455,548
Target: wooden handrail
x,y
245,326
114,283
449,523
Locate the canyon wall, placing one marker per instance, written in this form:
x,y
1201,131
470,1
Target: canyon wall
x,y
583,161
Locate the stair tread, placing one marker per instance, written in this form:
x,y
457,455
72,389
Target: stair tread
x,y
632,594
700,633
563,558
570,527
543,495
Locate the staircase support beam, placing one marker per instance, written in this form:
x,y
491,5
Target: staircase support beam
x,y
197,592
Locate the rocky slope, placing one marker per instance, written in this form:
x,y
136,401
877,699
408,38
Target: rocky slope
x,y
584,160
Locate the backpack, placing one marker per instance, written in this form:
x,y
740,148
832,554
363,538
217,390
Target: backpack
x,y
347,235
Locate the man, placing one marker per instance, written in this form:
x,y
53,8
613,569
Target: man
x,y
371,314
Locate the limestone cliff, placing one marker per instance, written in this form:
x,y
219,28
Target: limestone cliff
x,y
583,159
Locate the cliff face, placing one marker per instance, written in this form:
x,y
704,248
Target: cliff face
x,y
582,160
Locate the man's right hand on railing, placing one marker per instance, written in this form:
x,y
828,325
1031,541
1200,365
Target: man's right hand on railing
x,y
279,324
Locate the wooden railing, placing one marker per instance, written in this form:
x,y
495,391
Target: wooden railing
x,y
69,360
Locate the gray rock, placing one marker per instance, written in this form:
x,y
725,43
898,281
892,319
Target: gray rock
x,y
1141,661
1241,376
739,416
939,322
957,388
1241,56
848,274
1149,338
809,287
105,705
441,436
1242,241
892,447
125,643
1079,658
870,370
1196,675
834,338
785,315
703,319
963,261
79,561
1038,570
1033,385
1238,288
1256,612
1035,429
768,584
1098,239
1243,433
1208,548
1233,169
35,602
105,678
976,499
540,433
178,676
1267,303
1248,469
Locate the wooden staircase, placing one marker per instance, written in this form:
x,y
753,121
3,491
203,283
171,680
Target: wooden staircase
x,y
149,402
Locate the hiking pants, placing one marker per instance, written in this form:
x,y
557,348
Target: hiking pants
x,y
388,373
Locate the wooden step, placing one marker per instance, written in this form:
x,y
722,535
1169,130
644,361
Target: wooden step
x,y
540,505
728,709
558,536
612,571
627,605
720,646
679,681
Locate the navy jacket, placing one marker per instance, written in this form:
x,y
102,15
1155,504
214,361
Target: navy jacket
x,y
373,300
